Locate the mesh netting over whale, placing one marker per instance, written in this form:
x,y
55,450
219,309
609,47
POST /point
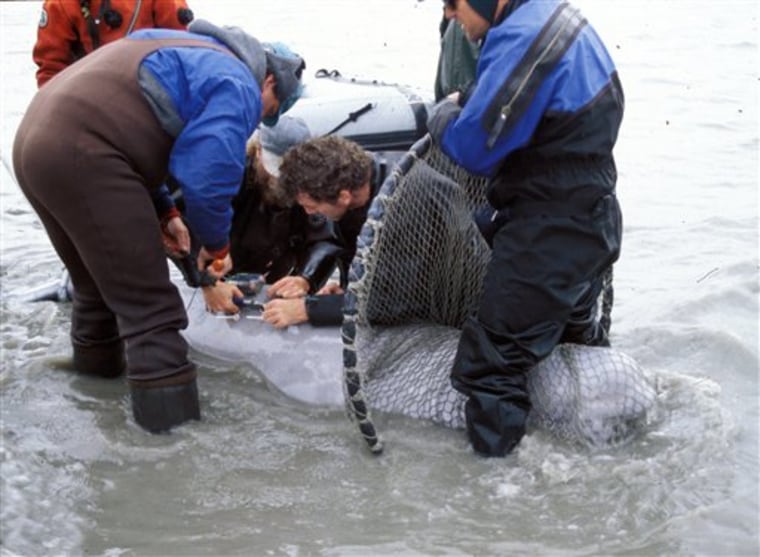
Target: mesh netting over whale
x,y
417,275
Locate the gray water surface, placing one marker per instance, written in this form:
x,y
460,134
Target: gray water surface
x,y
265,475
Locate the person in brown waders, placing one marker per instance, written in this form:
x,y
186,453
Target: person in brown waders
x,y
93,153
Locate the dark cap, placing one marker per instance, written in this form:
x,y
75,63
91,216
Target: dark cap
x,y
287,68
485,8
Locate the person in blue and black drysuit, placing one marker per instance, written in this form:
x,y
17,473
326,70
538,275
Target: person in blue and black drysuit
x,y
92,155
541,122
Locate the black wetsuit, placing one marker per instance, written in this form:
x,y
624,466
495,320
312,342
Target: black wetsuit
x,y
328,309
280,241
542,122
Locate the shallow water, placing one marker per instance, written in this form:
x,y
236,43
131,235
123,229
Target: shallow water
x,y
265,475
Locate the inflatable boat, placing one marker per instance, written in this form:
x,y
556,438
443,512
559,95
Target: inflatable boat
x,y
378,116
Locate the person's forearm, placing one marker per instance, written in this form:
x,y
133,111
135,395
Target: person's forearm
x,y
320,264
326,310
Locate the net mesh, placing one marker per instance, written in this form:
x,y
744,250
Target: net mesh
x,y
417,275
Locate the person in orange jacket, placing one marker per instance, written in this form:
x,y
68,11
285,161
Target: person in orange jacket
x,y
70,29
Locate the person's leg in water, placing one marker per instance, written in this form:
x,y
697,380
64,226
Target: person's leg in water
x,y
588,324
102,222
541,288
97,347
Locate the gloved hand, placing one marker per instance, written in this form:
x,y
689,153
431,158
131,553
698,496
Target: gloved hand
x,y
440,116
489,221
183,250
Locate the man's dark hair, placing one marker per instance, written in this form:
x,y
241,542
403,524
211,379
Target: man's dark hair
x,y
324,166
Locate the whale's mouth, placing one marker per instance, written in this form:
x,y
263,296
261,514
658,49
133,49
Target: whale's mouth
x,y
417,275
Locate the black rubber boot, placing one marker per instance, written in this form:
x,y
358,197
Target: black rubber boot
x,y
496,412
494,425
160,404
101,360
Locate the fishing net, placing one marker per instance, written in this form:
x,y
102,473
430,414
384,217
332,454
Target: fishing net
x,y
417,275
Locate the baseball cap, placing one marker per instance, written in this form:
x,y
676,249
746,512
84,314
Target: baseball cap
x,y
276,140
287,67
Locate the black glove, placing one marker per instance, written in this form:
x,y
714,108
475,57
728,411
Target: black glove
x,y
489,221
188,265
189,268
440,116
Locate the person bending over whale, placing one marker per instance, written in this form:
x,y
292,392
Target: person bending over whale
x,y
336,178
271,235
168,103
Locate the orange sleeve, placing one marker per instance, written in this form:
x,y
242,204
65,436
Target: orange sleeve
x,y
56,34
171,14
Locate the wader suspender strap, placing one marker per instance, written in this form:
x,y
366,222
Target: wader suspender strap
x,y
138,6
516,94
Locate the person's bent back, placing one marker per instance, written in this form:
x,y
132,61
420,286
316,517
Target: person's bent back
x,y
167,103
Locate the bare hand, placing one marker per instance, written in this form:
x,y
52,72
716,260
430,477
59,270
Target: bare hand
x,y
176,237
330,288
454,97
219,297
289,287
282,313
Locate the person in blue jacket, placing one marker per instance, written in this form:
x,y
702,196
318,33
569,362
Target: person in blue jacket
x,y
271,235
541,122
92,155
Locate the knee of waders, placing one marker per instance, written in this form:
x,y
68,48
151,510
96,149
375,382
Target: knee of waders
x,y
101,359
161,404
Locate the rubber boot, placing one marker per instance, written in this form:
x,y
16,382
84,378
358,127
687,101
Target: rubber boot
x,y
495,426
101,360
160,404
496,413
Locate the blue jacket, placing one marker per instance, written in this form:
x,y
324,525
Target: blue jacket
x,y
209,101
538,104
